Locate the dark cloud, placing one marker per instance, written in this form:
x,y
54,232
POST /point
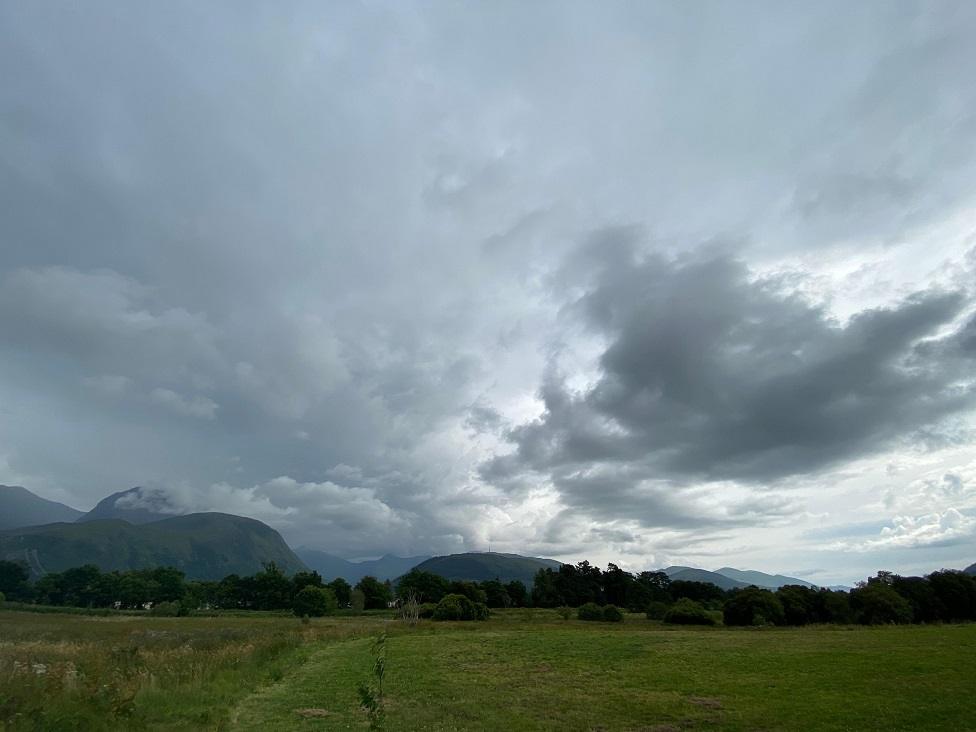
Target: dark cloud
x,y
712,374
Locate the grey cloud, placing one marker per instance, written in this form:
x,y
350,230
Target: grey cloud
x,y
711,374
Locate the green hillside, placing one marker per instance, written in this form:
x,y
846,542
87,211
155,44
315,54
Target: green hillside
x,y
203,545
479,566
761,579
693,574
19,507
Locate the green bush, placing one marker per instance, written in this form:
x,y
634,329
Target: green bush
x,y
565,612
656,610
612,614
3,598
314,601
688,612
459,607
753,606
589,611
173,609
427,610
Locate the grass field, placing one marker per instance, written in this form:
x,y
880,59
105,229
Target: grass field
x,y
520,670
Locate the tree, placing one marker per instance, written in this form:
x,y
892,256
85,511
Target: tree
x,y
376,594
618,586
799,604
688,612
301,580
544,590
753,606
341,588
697,591
876,603
518,593
495,593
423,586
956,592
648,587
272,590
926,605
13,579
469,589
314,602
459,607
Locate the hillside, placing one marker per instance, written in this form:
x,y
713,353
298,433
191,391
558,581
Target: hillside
x,y
971,569
331,566
761,579
203,545
480,566
19,507
137,506
693,574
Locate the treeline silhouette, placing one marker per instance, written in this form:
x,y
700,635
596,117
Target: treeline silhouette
x,y
943,596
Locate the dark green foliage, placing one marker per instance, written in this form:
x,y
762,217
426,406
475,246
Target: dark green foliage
x,y
459,607
920,593
376,594
565,612
496,595
589,611
753,606
342,590
955,593
424,586
303,579
371,694
518,593
800,604
612,614
13,579
314,602
877,603
470,590
688,612
697,591
426,610
169,610
656,610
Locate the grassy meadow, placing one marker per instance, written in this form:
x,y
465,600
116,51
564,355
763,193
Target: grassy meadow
x,y
522,669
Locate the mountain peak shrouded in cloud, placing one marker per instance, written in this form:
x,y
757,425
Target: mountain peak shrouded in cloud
x,y
137,506
397,280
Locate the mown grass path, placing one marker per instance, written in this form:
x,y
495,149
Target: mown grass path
x,y
635,676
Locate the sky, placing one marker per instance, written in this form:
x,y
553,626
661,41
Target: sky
x,y
651,283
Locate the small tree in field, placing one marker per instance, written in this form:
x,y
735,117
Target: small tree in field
x,y
314,602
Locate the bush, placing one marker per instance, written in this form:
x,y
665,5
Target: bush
x,y
688,612
314,601
753,606
656,610
169,610
427,610
612,614
589,611
459,607
3,598
565,612
878,604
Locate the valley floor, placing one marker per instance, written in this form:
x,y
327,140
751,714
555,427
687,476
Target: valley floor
x,y
521,670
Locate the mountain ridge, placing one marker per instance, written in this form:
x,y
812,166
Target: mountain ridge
x,y
20,507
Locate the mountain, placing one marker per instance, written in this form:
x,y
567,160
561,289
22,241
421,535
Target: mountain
x,y
480,566
761,579
693,574
203,545
137,506
19,507
971,569
330,566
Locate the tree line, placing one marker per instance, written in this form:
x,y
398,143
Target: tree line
x,y
943,596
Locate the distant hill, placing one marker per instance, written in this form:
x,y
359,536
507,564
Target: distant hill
x,y
137,506
971,569
761,579
19,507
693,574
203,545
481,566
331,566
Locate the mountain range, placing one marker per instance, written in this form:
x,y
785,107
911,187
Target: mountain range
x,y
971,569
481,566
387,567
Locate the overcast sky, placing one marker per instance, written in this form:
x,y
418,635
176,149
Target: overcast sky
x,y
653,283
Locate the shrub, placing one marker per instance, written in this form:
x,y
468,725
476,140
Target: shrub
x,y
3,598
169,610
589,611
459,607
656,610
878,604
314,601
427,610
565,612
753,606
612,614
688,612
